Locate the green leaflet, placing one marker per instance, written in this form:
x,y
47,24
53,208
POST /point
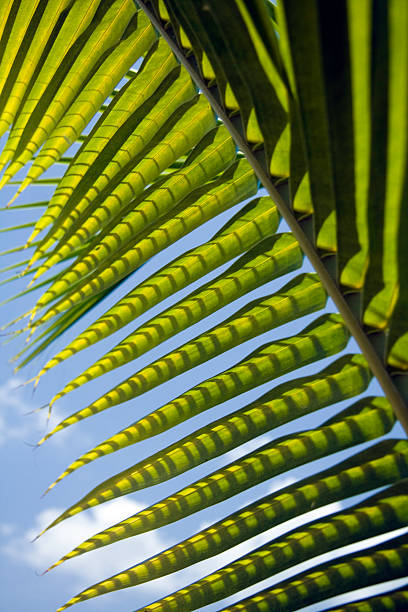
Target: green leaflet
x,y
212,155
389,158
127,106
394,601
375,516
369,567
366,420
270,259
236,55
163,122
236,184
353,272
22,16
85,218
106,34
346,378
309,91
138,40
255,221
215,152
53,332
301,296
194,120
41,204
16,227
49,18
326,336
74,25
384,463
4,15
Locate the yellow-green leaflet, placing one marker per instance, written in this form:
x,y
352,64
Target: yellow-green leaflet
x,y
326,336
6,8
213,154
376,515
106,34
49,18
345,378
126,106
238,183
191,122
74,25
270,259
53,331
256,221
21,22
366,420
301,296
70,126
383,463
75,228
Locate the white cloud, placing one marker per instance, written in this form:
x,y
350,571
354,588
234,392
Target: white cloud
x,y
6,529
25,421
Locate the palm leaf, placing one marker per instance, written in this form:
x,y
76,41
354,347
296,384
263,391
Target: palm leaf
x,y
325,337
372,518
270,259
330,579
384,463
306,100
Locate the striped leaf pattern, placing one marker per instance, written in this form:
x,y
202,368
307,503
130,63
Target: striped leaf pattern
x,y
178,112
384,463
371,518
323,338
23,142
138,90
349,376
218,152
270,259
301,296
218,195
394,600
366,420
139,38
350,572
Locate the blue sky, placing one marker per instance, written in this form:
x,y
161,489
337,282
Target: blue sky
x,y
27,473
